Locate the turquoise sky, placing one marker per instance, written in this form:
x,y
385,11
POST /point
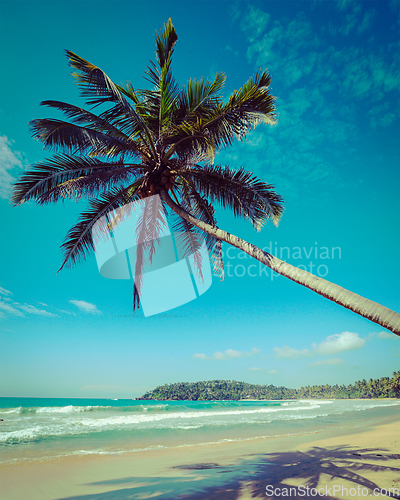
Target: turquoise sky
x,y
334,157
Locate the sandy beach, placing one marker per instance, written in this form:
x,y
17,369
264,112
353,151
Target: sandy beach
x,y
345,465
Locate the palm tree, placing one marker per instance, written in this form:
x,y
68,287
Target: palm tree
x,y
162,142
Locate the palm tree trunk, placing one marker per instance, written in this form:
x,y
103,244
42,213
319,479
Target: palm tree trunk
x,y
364,307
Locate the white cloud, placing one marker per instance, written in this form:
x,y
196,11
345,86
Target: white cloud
x,y
6,307
9,160
295,50
342,4
289,352
385,335
85,306
367,21
33,310
272,372
332,361
254,22
200,355
231,353
345,341
17,309
66,312
340,342
288,48
219,355
227,354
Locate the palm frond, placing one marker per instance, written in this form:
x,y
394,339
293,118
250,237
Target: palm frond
x,y
160,102
238,190
188,241
169,92
63,135
79,240
136,298
217,260
196,102
101,124
191,141
150,225
151,222
98,88
129,92
165,41
133,126
246,107
90,185
199,207
166,92
49,176
95,84
198,98
254,100
216,125
84,117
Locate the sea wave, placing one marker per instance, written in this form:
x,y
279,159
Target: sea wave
x,y
363,407
107,423
21,436
80,409
67,426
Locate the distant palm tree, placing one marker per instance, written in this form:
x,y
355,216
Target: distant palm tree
x,y
163,141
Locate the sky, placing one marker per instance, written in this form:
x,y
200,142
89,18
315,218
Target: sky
x,y
333,156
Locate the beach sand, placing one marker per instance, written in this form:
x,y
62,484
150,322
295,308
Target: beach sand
x,y
345,465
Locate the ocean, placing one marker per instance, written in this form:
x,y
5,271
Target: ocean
x,y
45,429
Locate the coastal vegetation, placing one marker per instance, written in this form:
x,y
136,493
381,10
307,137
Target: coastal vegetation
x,y
385,387
158,145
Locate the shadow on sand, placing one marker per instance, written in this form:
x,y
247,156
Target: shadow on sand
x,y
249,477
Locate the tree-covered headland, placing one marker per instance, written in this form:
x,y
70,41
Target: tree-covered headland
x,y
385,387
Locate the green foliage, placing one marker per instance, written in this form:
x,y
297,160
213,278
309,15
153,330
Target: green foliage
x,y
234,391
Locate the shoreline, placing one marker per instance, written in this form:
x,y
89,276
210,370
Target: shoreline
x,y
366,457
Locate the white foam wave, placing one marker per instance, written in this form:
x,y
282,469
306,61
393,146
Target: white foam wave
x,y
136,419
363,407
313,401
13,410
80,409
72,409
21,436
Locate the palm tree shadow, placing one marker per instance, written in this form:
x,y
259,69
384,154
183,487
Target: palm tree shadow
x,y
250,476
340,466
